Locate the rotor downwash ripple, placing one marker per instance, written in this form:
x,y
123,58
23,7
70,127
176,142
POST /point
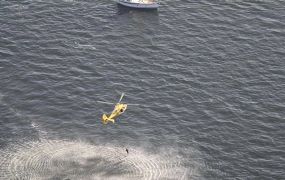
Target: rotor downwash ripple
x,y
68,160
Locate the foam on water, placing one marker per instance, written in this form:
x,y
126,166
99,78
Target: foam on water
x,y
57,159
83,46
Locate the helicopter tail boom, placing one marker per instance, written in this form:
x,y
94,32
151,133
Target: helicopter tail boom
x,y
105,119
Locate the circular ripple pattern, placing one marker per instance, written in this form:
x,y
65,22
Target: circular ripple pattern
x,y
79,160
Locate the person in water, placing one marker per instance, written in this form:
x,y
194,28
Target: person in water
x,y
127,151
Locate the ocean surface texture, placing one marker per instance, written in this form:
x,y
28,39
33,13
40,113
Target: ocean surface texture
x,y
205,81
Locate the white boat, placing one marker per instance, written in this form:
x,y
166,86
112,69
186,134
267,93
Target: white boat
x,y
142,4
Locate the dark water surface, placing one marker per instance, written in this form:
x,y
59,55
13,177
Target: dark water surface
x,y
209,77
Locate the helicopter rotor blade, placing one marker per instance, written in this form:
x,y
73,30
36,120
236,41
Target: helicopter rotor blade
x,y
103,102
134,104
121,97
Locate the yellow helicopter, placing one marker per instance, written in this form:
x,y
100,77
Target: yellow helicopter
x,y
119,109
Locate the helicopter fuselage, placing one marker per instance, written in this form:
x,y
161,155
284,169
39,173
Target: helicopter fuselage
x,y
118,110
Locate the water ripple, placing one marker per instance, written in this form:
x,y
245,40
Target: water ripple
x,y
79,160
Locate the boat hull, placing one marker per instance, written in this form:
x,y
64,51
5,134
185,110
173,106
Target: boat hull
x,y
138,5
